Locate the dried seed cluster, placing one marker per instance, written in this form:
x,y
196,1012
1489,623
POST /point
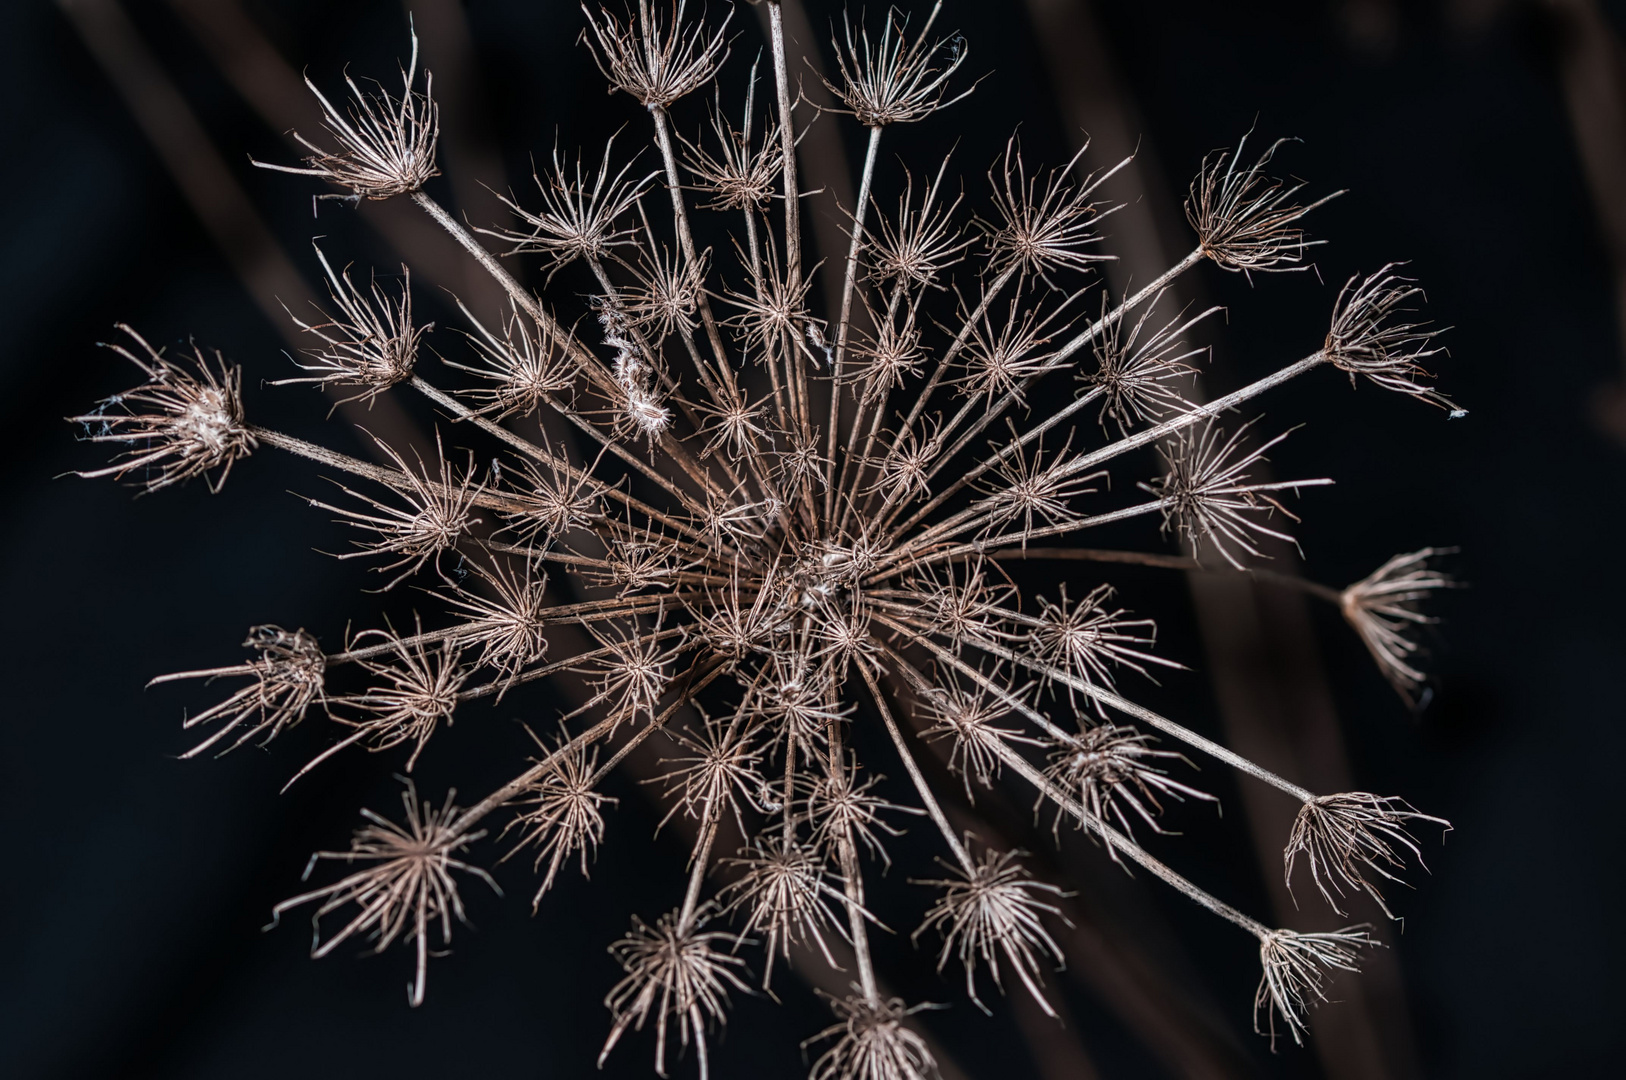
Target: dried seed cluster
x,y
748,528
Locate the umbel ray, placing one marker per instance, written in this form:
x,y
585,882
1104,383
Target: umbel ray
x,y
742,527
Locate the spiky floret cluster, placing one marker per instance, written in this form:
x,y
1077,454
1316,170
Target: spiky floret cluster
x,y
746,530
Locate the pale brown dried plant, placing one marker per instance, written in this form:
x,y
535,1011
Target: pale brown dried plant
x,y
771,540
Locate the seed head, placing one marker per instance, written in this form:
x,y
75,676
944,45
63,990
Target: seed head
x,y
893,80
386,145
739,176
786,896
580,213
1370,336
404,888
288,679
1206,495
417,689
371,344
677,973
656,61
184,421
1045,225
1114,774
1296,968
991,909
873,1042
561,812
525,367
1245,219
1347,836
971,718
1084,641
1383,609
1134,373
434,516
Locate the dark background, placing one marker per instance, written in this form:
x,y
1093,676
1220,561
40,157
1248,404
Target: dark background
x,y
135,885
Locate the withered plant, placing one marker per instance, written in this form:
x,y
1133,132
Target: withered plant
x,y
745,529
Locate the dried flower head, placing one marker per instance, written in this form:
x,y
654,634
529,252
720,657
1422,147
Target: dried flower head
x,y
992,908
1370,336
560,811
1083,641
581,213
405,886
1116,775
656,61
506,617
921,242
525,367
971,719
1382,607
761,535
1134,374
289,677
1295,974
788,898
873,1042
371,344
676,972
1045,225
1205,493
434,515
182,422
1346,837
386,145
1246,219
741,175
417,690
894,80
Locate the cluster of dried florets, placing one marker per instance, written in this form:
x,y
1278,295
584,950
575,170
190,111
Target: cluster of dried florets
x,y
744,536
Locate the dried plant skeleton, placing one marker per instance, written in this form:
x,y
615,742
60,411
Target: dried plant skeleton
x,y
746,530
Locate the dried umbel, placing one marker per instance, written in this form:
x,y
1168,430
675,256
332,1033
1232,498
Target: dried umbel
x,y
1347,837
771,546
289,677
994,908
405,887
372,343
184,421
1296,968
1116,774
386,145
676,972
893,80
1206,496
1383,609
1246,219
872,1042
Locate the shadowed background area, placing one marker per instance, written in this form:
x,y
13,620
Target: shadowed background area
x,y
1483,140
